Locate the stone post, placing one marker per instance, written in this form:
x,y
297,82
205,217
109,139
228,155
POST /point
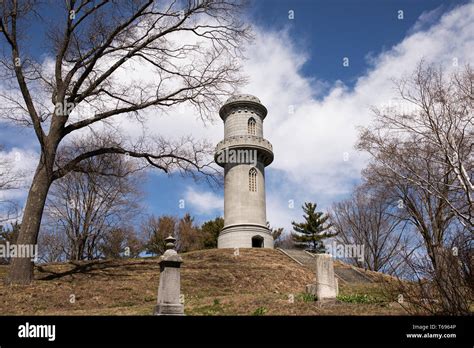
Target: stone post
x,y
169,289
326,283
326,286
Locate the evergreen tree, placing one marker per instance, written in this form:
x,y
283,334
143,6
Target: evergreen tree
x,y
309,234
210,232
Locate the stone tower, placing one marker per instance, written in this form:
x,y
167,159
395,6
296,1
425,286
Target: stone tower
x,y
244,154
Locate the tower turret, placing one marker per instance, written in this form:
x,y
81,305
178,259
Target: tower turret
x,y
244,153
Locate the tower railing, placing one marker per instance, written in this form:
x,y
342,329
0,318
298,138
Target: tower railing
x,y
244,140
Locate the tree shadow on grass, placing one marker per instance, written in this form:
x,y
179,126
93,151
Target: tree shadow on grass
x,y
88,267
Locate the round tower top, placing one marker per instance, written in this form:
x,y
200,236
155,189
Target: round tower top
x,y
242,100
242,97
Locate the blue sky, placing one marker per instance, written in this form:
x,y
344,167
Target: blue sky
x,y
331,30
327,31
297,64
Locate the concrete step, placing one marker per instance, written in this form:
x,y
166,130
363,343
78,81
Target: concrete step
x,y
346,273
349,275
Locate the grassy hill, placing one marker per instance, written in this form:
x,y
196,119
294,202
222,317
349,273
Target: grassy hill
x,y
214,282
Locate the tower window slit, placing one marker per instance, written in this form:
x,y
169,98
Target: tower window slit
x,y
252,126
253,180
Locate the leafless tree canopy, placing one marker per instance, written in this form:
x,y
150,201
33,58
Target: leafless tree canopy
x,y
433,126
190,50
188,235
9,180
422,158
121,242
89,206
156,230
370,219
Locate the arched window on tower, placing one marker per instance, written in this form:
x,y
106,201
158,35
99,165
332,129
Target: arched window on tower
x,y
253,180
252,126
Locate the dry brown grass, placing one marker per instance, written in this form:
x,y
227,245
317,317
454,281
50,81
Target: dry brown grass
x,y
214,282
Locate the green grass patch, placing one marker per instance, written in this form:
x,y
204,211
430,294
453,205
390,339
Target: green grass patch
x,y
260,311
214,309
305,297
126,304
359,298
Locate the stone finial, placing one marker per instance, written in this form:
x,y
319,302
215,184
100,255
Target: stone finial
x,y
170,242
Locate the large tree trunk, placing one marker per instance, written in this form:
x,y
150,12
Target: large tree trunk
x,y
21,269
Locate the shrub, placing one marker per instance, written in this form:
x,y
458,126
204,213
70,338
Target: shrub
x,y
306,297
260,311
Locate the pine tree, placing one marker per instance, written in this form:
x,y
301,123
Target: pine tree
x,y
309,234
210,232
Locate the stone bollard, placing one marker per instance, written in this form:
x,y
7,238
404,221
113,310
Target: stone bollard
x,y
326,286
169,290
326,281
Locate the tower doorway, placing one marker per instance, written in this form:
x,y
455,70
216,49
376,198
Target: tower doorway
x,y
257,242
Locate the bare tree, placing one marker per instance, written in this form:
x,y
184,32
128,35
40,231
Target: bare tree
x,y
188,235
155,230
190,48
435,112
90,204
368,219
434,223
121,242
9,180
8,236
52,245
445,289
411,168
277,233
285,241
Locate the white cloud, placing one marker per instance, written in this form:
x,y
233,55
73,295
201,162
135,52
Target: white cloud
x,y
310,143
203,202
17,166
20,164
426,19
